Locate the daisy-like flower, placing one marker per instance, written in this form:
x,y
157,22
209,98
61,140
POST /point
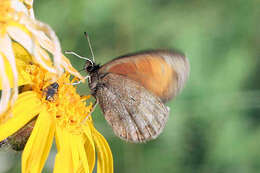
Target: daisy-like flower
x,y
27,71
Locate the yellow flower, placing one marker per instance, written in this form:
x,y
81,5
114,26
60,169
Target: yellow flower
x,y
17,23
64,118
25,64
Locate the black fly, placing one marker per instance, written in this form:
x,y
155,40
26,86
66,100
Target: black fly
x,y
51,90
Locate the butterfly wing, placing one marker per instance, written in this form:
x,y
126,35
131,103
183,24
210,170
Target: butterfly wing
x,y
161,72
135,114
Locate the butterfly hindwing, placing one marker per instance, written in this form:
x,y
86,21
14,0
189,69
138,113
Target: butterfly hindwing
x,y
135,114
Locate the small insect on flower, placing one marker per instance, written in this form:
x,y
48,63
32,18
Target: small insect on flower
x,y
51,90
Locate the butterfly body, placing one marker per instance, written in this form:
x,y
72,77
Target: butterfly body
x,y
131,91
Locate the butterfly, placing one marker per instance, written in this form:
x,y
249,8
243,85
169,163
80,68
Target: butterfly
x,y
132,91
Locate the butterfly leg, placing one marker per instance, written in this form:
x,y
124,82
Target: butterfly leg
x,y
78,82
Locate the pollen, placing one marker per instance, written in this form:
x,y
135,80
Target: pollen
x,y
68,108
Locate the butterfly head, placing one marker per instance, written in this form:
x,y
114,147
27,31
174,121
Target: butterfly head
x,y
91,67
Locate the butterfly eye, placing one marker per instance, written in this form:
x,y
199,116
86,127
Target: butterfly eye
x,y
89,66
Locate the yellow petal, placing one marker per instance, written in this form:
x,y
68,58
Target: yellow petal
x,y
20,34
89,147
23,76
6,90
21,53
67,65
22,58
105,158
74,142
6,50
80,159
85,157
63,160
50,46
39,144
26,107
71,156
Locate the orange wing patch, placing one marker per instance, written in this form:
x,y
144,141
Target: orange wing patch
x,y
154,74
161,72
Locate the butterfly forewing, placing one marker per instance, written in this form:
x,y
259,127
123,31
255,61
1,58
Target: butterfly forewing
x,y
161,72
135,114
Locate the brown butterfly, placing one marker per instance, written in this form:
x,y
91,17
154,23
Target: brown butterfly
x,y
132,89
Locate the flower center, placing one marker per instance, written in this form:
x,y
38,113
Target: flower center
x,y
60,97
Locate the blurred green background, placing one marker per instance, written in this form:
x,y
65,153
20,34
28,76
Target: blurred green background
x,y
214,124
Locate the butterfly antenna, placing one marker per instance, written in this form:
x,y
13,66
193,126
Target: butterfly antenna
x,y
81,57
89,44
